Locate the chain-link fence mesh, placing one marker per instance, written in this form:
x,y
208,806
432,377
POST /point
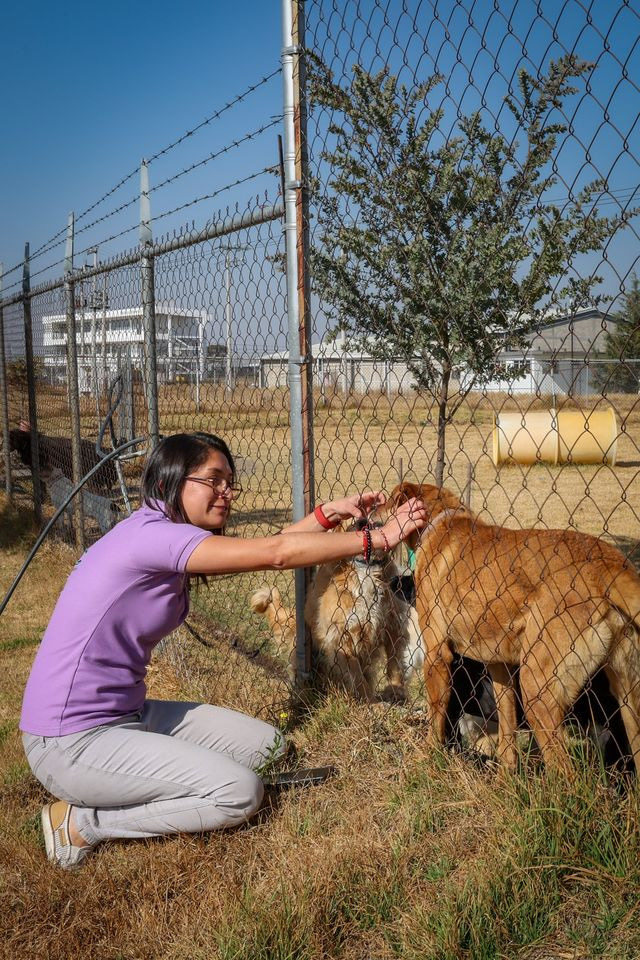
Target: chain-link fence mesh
x,y
473,323
218,304
474,238
219,308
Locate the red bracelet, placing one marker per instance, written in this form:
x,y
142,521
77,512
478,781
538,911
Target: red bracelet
x,y
323,519
366,544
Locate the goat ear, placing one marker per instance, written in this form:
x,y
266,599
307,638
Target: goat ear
x,y
25,426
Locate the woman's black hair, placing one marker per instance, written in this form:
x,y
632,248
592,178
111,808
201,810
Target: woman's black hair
x,y
173,459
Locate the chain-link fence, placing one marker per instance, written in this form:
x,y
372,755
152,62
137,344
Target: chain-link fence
x,y
457,307
473,247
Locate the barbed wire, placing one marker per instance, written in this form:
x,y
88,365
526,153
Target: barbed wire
x,y
214,156
33,274
130,229
216,115
133,200
210,196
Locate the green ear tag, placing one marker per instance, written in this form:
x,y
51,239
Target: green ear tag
x,y
412,559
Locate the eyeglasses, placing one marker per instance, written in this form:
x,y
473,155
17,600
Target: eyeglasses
x,y
219,485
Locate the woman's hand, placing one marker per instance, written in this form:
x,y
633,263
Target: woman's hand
x,y
408,519
358,506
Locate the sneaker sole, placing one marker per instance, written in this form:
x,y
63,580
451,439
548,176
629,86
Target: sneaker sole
x,y
49,841
299,778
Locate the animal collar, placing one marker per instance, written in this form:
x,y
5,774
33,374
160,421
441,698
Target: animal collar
x,y
432,524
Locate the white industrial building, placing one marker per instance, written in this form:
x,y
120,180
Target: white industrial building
x,y
563,357
336,367
105,338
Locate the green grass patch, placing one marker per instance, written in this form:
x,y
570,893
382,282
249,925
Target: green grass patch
x,y
18,643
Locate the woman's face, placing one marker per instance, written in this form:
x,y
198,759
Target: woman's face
x,y
202,505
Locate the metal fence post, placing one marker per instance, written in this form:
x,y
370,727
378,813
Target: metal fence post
x,y
148,309
128,404
297,298
303,248
72,383
31,388
5,401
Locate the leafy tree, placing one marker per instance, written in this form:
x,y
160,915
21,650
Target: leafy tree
x,y
443,252
621,344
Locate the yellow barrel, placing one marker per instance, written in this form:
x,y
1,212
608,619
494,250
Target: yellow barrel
x,y
551,436
587,436
525,437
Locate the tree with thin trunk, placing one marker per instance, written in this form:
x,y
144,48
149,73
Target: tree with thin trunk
x,y
442,251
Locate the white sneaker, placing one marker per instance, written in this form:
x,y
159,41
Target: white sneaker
x,y
55,827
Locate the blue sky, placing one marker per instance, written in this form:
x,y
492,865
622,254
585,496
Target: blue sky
x,y
89,89
479,47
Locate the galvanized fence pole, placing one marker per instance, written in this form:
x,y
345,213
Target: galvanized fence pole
x,y
72,383
297,308
148,309
5,401
31,388
302,248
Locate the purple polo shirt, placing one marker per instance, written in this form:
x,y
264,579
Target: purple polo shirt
x,y
126,593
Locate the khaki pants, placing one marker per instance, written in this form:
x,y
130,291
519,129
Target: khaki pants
x,y
174,767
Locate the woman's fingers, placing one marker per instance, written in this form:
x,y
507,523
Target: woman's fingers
x,y
359,505
411,516
413,508
370,499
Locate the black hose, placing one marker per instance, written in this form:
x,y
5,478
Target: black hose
x,y
108,420
60,510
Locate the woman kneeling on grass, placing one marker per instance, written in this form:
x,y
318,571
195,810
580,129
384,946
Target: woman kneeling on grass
x,y
125,766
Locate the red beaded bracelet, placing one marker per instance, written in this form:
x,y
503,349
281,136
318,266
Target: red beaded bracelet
x,y
366,544
386,542
323,519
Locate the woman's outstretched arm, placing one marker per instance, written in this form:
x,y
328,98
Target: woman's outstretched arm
x,y
289,550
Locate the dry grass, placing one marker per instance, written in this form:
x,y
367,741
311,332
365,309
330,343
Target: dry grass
x,y
406,853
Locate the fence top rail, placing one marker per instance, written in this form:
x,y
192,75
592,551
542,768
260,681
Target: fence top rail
x,y
264,213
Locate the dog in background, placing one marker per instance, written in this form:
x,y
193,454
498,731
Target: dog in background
x,y
555,605
55,453
359,624
56,472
